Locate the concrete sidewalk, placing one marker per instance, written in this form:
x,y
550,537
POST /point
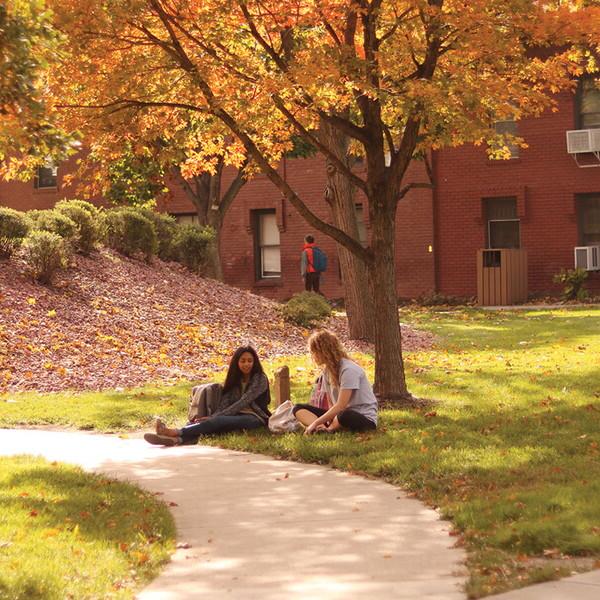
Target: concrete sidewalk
x,y
259,528
265,529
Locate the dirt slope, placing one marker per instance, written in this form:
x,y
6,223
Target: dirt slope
x,y
110,321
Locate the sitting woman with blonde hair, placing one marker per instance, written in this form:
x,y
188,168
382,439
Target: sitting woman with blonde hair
x,y
353,405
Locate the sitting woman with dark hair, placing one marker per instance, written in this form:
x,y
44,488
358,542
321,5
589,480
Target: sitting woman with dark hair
x,y
244,404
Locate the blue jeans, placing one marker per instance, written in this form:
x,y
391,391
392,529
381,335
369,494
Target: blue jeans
x,y
219,424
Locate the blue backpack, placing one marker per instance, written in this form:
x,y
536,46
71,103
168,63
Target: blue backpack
x,y
319,260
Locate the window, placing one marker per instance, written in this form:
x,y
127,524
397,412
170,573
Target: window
x,y
187,219
46,177
588,216
363,238
503,225
589,104
509,128
268,251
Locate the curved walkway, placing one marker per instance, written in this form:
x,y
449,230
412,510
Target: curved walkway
x,y
268,529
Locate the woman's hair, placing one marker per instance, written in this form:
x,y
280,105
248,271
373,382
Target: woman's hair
x,y
325,346
234,375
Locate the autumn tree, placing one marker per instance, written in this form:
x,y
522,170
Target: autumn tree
x,y
393,77
28,46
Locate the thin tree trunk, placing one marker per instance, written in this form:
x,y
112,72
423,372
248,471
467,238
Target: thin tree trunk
x,y
340,196
204,194
390,381
215,266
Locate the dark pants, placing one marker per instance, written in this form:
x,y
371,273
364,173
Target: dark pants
x,y
311,282
349,419
219,424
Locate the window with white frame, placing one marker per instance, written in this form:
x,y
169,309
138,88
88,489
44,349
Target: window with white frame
x,y
503,227
268,248
46,177
508,127
588,217
187,219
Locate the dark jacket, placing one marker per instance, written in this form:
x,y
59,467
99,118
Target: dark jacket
x,y
256,397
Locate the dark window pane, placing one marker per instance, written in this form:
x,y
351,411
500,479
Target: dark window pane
x,y
590,104
500,208
46,177
504,234
588,212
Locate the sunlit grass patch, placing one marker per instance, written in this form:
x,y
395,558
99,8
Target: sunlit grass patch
x,y
68,534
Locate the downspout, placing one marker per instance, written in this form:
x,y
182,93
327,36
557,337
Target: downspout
x,y
435,219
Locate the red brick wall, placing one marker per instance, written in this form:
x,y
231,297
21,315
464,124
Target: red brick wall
x,y
307,177
545,180
21,195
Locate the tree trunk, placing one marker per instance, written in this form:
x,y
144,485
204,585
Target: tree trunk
x,y
390,382
215,266
340,196
201,192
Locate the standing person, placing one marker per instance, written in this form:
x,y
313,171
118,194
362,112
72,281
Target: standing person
x,y
243,404
353,403
312,277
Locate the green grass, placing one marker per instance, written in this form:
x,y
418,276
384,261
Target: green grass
x,y
509,449
69,534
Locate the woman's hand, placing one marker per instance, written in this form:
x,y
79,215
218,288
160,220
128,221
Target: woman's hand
x,y
199,419
312,428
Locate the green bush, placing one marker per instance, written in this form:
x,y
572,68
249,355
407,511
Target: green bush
x,y
572,281
306,309
88,224
90,208
44,253
165,226
192,246
54,221
14,226
130,232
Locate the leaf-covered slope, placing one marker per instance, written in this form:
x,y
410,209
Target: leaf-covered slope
x,y
111,321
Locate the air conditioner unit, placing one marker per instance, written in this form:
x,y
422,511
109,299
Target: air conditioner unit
x,y
587,258
583,140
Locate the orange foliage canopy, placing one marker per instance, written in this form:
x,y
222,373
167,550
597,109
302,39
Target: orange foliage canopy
x,y
397,77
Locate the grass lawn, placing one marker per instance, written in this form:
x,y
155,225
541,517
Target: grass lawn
x,y
69,534
509,451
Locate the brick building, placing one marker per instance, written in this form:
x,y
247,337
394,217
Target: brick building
x,y
540,199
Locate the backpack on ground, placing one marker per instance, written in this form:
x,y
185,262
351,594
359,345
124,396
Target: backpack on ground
x,y
204,401
319,260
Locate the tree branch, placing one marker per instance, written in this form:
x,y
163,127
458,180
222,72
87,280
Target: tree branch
x,y
337,234
314,140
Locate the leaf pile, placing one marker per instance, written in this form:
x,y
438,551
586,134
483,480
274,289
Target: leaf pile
x,y
111,321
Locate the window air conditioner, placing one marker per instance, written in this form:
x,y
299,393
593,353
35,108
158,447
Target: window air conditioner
x,y
583,140
587,258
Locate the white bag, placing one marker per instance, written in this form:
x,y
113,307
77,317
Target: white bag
x,y
283,419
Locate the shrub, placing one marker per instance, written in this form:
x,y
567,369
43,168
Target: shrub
x,y
130,232
44,252
306,309
14,226
192,245
90,208
165,227
573,283
88,224
55,221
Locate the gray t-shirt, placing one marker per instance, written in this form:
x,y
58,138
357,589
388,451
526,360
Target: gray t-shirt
x,y
352,377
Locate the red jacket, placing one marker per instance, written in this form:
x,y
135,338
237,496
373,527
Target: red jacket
x,y
307,259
